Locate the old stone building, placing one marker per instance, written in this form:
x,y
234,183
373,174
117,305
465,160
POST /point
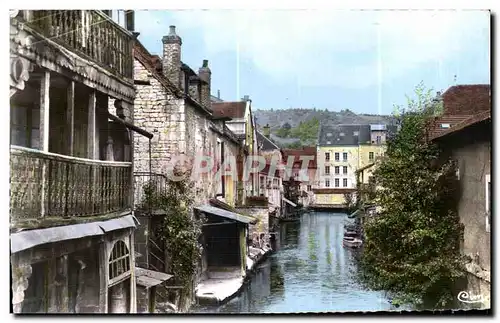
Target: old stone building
x,y
174,103
71,201
464,133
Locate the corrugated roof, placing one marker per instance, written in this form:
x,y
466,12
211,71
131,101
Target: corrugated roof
x,y
233,110
226,214
149,278
28,239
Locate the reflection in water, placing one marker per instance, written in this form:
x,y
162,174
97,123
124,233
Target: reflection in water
x,y
311,272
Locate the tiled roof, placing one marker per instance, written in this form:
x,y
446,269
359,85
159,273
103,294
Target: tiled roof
x,y
463,105
153,64
343,135
459,124
305,151
234,110
350,134
265,142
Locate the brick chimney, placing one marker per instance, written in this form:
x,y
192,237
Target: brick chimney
x,y
205,75
172,57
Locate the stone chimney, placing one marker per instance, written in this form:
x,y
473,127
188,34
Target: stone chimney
x,y
172,57
205,75
267,131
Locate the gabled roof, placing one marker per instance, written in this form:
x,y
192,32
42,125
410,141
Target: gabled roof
x,y
265,142
153,64
233,110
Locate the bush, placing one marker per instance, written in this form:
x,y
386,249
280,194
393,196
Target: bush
x,y
412,248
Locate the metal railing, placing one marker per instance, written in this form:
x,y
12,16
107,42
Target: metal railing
x,y
52,185
155,183
90,33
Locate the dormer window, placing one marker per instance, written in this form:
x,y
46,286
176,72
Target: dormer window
x,y
355,133
328,142
329,134
342,134
445,125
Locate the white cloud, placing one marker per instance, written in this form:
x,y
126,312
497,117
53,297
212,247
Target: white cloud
x,y
334,48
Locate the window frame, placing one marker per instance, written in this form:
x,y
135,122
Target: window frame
x,y
345,156
337,170
344,170
337,182
371,156
344,182
327,183
327,170
337,157
327,156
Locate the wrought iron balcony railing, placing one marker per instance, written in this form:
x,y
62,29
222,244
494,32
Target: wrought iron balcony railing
x,y
51,185
148,187
90,33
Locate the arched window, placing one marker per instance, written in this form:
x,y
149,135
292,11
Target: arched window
x,y
119,260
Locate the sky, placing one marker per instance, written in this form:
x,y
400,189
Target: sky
x,y
365,61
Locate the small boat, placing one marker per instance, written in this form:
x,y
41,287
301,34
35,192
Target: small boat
x,y
352,242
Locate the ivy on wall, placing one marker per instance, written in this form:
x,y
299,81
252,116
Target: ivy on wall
x,y
180,229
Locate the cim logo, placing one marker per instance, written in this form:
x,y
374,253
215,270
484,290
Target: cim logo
x,y
465,297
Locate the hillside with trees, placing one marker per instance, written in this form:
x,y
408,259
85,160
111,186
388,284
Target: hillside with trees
x,y
293,128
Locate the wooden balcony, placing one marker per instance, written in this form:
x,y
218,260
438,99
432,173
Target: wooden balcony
x,y
51,186
89,33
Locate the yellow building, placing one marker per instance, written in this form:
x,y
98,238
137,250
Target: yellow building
x,y
341,151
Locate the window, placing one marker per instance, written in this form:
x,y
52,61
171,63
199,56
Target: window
x,y
337,170
329,134
327,156
345,170
344,182
309,188
327,170
337,182
328,142
327,183
355,133
344,156
337,156
488,202
371,156
379,140
119,260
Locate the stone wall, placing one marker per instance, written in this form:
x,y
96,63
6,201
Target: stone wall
x,y
200,141
259,232
471,149
161,113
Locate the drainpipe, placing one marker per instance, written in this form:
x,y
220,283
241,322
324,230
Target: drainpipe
x,y
150,176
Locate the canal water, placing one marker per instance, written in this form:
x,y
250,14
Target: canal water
x,y
309,272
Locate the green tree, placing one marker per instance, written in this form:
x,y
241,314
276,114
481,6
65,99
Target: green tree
x,y
412,247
